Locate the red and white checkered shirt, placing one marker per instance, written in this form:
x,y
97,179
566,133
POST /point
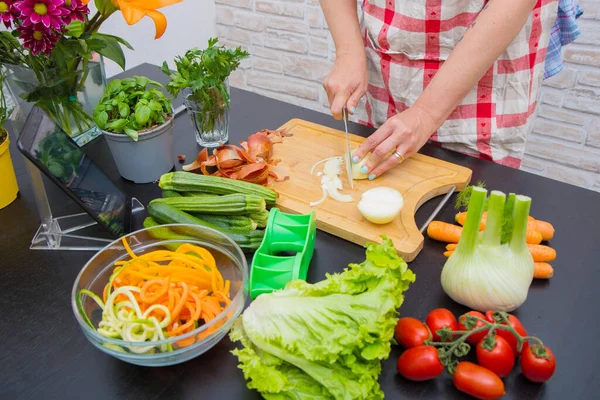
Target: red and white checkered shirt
x,y
407,41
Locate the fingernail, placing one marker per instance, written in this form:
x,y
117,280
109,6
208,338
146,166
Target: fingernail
x,y
364,169
355,159
352,109
371,177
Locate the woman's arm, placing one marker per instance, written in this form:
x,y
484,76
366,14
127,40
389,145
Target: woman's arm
x,y
347,81
489,35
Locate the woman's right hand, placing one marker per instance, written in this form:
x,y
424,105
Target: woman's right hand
x,y
347,82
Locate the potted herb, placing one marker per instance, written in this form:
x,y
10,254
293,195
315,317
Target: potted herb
x,y
137,120
202,76
8,179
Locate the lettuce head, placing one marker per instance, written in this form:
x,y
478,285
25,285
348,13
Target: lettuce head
x,y
325,340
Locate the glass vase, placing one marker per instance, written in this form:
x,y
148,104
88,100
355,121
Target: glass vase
x,y
68,99
210,122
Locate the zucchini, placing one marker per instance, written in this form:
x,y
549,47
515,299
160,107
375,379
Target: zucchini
x,y
233,222
198,194
170,193
167,214
260,218
230,204
165,234
186,181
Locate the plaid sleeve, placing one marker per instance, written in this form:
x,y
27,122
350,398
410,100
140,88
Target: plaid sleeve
x,y
564,31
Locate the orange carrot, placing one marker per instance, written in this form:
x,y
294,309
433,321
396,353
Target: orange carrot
x,y
541,253
545,228
543,270
448,253
451,246
444,232
533,236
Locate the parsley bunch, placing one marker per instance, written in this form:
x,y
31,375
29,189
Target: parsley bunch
x,y
204,73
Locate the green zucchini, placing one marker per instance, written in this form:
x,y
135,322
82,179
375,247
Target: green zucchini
x,y
186,181
260,218
230,204
170,193
164,233
233,222
167,214
198,194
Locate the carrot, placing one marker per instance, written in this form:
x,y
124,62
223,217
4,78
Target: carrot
x,y
451,246
545,228
444,232
533,236
461,218
448,253
543,270
541,253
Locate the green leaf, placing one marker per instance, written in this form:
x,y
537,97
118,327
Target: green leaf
x,y
132,134
75,28
112,49
113,86
117,125
155,105
141,81
124,110
101,119
142,115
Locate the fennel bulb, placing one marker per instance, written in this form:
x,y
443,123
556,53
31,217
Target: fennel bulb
x,y
325,340
492,270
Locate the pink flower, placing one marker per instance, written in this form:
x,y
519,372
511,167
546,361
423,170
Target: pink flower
x,y
7,12
38,38
50,13
75,10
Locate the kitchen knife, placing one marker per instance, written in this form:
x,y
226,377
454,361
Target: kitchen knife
x,y
347,159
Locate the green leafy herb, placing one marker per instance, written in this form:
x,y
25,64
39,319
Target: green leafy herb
x,y
203,73
463,198
131,105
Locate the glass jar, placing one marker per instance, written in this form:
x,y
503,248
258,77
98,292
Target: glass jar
x,y
210,118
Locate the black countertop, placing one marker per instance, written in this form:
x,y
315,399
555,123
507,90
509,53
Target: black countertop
x,y
45,355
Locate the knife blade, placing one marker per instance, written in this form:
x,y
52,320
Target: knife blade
x,y
347,158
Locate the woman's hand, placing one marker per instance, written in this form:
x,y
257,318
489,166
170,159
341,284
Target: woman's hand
x,y
398,138
347,82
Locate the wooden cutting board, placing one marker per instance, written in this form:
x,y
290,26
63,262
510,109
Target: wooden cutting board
x,y
418,179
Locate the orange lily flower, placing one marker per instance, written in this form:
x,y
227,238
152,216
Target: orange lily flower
x,y
134,10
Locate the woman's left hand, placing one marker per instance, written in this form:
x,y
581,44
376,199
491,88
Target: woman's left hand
x,y
398,138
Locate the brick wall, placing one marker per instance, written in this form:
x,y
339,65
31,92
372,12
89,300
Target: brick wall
x,y
292,51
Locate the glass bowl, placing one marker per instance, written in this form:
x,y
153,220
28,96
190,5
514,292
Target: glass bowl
x,y
230,261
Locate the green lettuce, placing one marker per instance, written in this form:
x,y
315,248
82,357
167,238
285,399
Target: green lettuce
x,y
325,340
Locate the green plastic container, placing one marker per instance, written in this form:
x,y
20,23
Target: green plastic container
x,y
285,252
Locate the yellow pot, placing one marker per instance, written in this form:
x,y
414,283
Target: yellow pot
x,y
8,179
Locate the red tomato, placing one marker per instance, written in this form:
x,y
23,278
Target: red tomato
x,y
500,360
420,363
438,319
478,381
410,332
510,338
537,369
476,337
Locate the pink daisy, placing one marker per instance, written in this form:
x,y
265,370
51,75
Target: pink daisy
x,y
7,12
38,39
50,13
75,10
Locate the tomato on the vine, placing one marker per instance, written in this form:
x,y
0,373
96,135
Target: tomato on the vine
x,y
500,359
510,338
475,337
538,363
410,332
420,363
438,319
478,381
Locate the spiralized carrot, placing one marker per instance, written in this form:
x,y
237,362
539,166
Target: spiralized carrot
x,y
162,294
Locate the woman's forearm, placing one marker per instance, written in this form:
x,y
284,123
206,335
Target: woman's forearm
x,y
484,41
342,20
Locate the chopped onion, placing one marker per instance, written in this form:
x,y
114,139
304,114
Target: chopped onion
x,y
381,205
330,181
312,169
